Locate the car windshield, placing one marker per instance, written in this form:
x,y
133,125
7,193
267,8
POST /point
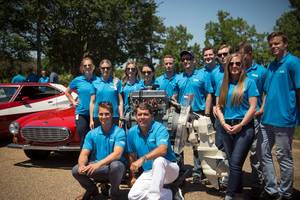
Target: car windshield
x,y
6,93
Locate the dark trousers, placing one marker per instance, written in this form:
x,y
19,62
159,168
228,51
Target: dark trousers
x,y
83,127
113,173
237,147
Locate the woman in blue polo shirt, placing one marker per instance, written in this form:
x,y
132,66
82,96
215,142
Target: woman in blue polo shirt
x,y
148,77
130,82
106,89
236,103
83,85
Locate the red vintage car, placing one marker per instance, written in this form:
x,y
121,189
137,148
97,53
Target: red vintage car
x,y
17,100
40,133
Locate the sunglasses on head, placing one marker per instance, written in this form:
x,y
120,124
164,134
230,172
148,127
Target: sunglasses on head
x,y
235,63
222,54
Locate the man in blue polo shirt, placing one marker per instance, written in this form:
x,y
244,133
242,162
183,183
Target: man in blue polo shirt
x,y
167,80
282,89
149,148
257,73
101,156
195,86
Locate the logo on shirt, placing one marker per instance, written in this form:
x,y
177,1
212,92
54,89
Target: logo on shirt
x,y
196,80
255,75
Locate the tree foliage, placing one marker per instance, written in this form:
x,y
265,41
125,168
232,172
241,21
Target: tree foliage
x,y
289,23
68,29
229,30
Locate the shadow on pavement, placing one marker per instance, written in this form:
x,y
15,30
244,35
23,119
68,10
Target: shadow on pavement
x,y
57,160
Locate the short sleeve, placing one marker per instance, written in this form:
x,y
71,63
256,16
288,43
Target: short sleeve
x,y
252,89
130,145
73,84
121,138
162,136
88,142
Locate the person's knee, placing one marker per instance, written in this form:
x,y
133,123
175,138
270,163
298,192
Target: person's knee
x,y
75,171
117,166
159,161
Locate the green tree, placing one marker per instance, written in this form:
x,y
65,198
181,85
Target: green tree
x,y
233,31
289,23
176,40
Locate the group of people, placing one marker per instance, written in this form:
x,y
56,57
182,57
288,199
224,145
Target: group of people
x,y
253,109
33,77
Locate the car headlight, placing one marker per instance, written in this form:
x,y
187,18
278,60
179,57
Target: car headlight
x,y
14,128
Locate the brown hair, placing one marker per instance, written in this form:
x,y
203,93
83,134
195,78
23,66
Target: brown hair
x,y
86,57
208,48
106,105
144,106
237,96
125,76
278,34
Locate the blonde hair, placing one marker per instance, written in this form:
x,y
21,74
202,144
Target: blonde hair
x,y
125,76
237,96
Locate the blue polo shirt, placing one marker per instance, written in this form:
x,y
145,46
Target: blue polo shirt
x,y
84,88
197,84
282,80
257,73
107,91
127,89
166,84
44,79
102,144
238,112
141,145
18,79
217,77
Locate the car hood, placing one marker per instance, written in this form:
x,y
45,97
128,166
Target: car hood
x,y
54,118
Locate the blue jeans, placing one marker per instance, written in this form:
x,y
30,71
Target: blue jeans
x,y
83,127
282,138
113,173
256,173
237,147
218,136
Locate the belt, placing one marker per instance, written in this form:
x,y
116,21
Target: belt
x,y
233,121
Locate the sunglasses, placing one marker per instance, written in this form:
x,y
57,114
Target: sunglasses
x,y
222,54
105,68
235,63
130,69
88,65
146,72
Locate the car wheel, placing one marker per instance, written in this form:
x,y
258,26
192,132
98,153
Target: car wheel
x,y
37,154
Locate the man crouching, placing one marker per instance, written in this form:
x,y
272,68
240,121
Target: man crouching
x,y
149,147
101,159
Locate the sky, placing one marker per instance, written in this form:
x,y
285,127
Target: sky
x,y
194,14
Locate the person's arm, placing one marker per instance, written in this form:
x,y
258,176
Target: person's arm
x,y
174,97
121,108
208,104
247,118
70,97
83,160
132,178
115,155
261,109
92,107
220,116
161,150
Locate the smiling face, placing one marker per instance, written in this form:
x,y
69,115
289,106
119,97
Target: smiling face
x,y
222,55
148,74
144,119
187,63
278,47
106,70
208,56
131,71
105,117
235,67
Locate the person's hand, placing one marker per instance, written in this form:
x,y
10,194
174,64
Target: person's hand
x,y
259,113
136,164
120,123
236,129
75,104
92,126
92,167
131,182
227,127
82,169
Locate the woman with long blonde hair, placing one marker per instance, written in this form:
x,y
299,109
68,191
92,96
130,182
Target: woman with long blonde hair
x,y
236,104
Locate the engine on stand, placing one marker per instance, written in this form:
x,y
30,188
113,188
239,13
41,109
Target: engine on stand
x,y
185,128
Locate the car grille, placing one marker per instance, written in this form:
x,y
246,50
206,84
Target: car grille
x,y
45,134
